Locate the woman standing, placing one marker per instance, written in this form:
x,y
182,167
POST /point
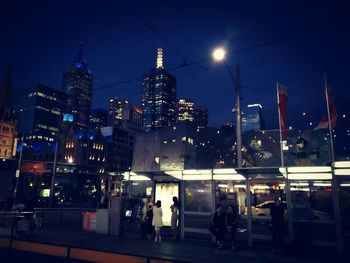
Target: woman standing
x,y
174,216
157,221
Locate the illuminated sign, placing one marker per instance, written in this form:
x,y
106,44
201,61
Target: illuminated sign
x,y
68,117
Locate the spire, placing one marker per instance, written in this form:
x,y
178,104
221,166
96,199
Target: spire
x,y
159,58
80,52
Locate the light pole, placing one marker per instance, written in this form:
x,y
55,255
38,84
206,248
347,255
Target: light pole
x,y
219,54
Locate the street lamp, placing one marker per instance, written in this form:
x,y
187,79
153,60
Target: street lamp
x,y
219,55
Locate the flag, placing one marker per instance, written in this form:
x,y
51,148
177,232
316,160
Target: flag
x,y
332,113
282,100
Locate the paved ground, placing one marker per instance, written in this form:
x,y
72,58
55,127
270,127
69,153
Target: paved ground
x,y
186,251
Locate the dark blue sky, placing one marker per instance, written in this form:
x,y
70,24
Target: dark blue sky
x,y
40,39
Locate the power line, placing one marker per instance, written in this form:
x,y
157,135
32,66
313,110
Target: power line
x,y
253,47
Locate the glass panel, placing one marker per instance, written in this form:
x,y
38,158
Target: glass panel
x,y
233,193
313,212
344,206
264,191
198,197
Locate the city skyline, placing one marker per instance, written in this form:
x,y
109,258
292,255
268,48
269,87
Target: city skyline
x,y
308,41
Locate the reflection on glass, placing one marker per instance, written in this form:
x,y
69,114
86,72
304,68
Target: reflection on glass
x,y
198,196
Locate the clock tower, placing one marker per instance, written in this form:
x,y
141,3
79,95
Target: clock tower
x,y
7,119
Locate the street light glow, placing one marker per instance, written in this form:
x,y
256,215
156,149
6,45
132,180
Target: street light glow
x,y
219,54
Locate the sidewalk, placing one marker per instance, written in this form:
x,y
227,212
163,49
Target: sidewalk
x,y
183,251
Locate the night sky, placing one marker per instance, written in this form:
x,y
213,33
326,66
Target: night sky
x,y
287,41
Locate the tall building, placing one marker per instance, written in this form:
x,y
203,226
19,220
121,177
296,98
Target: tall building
x,y
188,111
124,115
158,97
40,112
201,117
7,119
185,110
98,118
77,83
252,118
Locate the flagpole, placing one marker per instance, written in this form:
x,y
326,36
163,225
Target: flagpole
x,y
329,119
280,127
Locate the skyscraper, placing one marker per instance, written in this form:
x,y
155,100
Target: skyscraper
x,y
201,116
158,97
40,112
98,118
252,118
185,110
7,119
77,83
124,115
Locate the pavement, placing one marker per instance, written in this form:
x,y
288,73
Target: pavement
x,y
196,251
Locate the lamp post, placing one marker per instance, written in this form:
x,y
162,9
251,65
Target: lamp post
x,y
219,54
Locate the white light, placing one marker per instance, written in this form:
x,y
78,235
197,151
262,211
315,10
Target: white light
x,y
219,54
345,185
304,113
191,177
344,115
343,164
309,169
197,172
310,176
224,171
222,185
70,160
233,177
139,178
175,174
322,184
342,171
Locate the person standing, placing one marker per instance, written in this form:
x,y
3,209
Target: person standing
x,y
149,218
174,216
232,219
219,226
277,215
157,221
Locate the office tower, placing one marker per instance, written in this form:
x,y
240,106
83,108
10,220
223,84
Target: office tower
x,y
77,83
7,119
40,112
98,118
252,118
158,97
201,116
185,110
124,115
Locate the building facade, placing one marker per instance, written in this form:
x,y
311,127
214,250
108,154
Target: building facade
x,y
124,115
158,97
77,83
98,118
8,122
252,118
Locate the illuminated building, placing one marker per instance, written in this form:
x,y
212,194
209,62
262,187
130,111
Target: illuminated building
x,y
40,112
7,119
252,118
158,97
84,148
187,111
201,117
124,115
38,121
77,83
98,118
